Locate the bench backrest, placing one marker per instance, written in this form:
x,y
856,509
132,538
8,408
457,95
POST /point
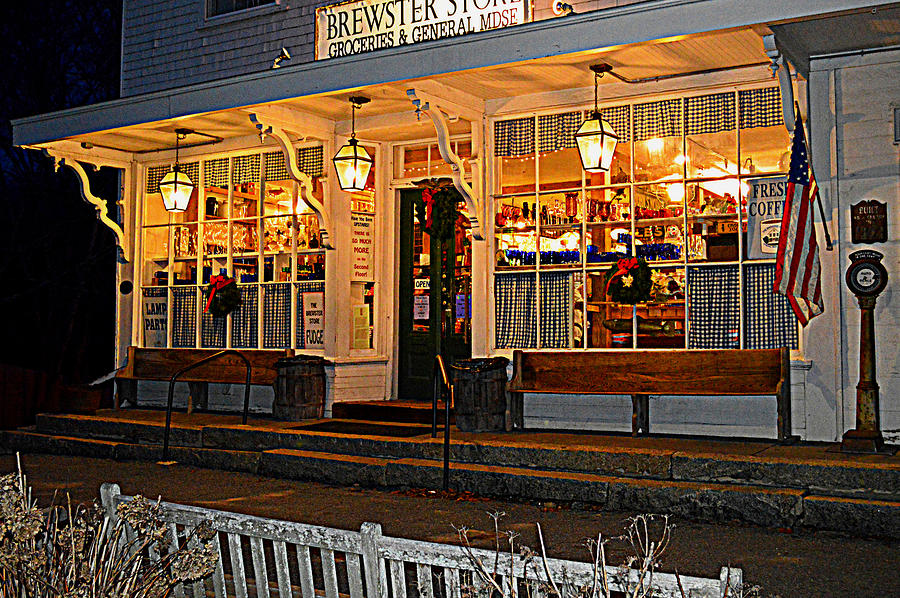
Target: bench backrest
x,y
688,372
161,364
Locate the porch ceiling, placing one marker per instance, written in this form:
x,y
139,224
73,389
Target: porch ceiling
x,y
717,50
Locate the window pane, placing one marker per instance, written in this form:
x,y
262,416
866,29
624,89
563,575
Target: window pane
x,y
714,307
557,309
769,320
765,143
658,146
516,305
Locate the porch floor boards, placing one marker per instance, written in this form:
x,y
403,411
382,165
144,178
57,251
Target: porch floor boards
x,y
762,482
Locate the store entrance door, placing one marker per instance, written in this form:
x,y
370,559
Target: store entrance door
x,y
435,298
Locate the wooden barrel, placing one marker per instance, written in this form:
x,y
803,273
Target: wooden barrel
x,y
300,388
479,394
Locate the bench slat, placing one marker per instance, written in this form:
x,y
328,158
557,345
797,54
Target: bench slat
x,y
161,364
687,372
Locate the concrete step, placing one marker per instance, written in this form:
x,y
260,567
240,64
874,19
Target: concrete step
x,y
819,472
133,431
31,441
699,500
759,505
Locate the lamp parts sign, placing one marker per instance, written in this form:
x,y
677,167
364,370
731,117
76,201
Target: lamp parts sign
x,y
368,25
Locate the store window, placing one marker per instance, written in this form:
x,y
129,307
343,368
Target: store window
x,y
245,221
675,196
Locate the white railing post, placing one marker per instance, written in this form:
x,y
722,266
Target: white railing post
x,y
372,564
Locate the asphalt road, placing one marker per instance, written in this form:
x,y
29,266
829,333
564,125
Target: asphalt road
x,y
782,562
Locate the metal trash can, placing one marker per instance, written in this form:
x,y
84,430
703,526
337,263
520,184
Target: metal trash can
x,y
300,388
479,394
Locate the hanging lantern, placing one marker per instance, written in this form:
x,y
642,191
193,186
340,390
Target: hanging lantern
x,y
176,187
352,162
596,139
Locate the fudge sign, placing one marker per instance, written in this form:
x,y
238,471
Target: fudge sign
x,y
368,25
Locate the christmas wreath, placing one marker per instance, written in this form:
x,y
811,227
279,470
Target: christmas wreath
x,y
437,211
629,281
223,295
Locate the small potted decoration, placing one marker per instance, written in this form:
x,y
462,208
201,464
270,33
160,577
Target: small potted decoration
x,y
629,281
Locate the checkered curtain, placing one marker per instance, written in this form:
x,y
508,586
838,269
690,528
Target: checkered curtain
x,y
212,331
556,310
155,174
713,308
216,172
276,315
313,286
244,319
514,137
709,114
246,169
275,167
311,160
515,300
184,314
619,118
557,131
760,107
657,119
769,321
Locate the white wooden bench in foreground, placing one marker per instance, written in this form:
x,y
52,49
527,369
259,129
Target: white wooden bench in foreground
x,y
311,561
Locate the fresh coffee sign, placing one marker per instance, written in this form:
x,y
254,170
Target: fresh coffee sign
x,y
369,25
765,202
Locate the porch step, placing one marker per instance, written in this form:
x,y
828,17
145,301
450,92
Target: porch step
x,y
389,411
777,467
762,483
30,441
770,507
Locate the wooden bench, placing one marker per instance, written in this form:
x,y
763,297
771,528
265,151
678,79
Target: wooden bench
x,y
719,372
162,364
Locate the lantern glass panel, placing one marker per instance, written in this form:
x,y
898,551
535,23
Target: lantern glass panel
x,y
176,189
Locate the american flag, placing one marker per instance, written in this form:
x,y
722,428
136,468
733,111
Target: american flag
x,y
797,261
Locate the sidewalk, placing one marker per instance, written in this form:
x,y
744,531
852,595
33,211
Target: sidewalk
x,y
786,564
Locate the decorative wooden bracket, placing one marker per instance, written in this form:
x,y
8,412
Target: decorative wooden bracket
x,y
305,181
472,196
65,159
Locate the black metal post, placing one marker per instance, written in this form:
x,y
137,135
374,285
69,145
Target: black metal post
x,y
188,368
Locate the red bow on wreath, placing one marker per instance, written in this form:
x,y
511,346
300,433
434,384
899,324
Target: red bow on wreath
x,y
623,265
216,283
428,198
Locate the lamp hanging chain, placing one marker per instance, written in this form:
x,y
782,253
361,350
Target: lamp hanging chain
x,y
596,84
353,121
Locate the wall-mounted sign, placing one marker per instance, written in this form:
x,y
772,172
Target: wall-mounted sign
x,y
765,202
368,25
421,307
868,222
362,327
313,320
155,320
361,241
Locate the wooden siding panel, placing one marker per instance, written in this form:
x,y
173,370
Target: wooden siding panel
x,y
170,44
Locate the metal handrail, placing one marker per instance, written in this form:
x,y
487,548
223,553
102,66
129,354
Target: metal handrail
x,y
190,367
443,387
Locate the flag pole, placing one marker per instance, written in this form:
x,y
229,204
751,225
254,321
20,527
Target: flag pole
x,y
798,120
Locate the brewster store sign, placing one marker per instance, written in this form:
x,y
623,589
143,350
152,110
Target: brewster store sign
x,y
368,25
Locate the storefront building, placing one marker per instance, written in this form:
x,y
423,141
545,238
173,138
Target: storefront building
x,y
485,98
